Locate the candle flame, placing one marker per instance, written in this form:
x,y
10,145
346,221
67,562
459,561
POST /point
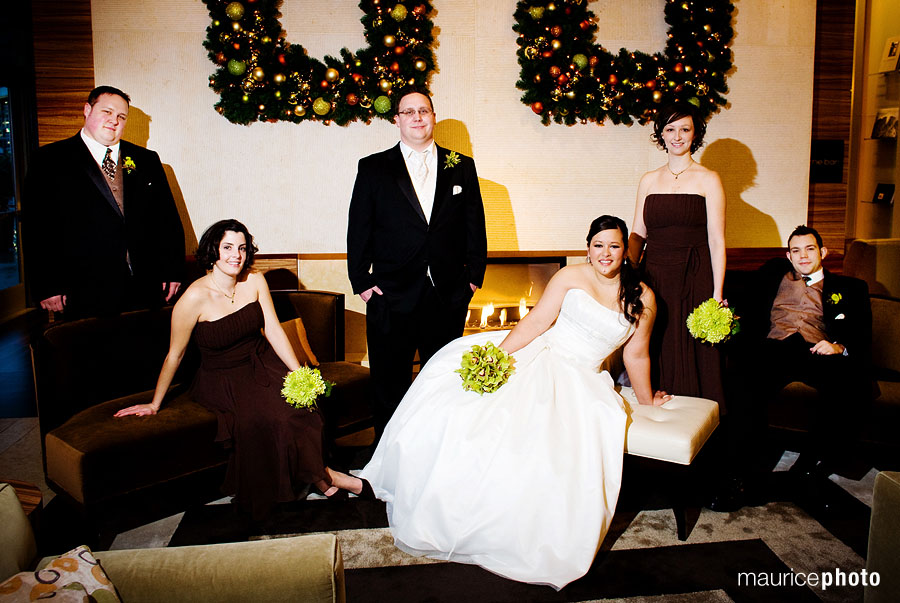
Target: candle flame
x,y
523,309
485,314
502,317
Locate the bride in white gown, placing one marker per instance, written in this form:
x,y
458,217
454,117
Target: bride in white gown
x,y
524,481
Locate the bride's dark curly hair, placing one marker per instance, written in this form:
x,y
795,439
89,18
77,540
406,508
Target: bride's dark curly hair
x,y
630,289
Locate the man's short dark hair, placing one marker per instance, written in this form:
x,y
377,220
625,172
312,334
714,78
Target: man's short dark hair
x,y
415,90
100,90
208,250
804,230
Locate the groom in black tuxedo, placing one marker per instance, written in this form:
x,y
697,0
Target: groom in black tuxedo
x,y
102,234
814,327
416,249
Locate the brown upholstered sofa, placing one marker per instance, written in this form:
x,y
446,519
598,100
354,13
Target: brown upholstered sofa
x,y
86,370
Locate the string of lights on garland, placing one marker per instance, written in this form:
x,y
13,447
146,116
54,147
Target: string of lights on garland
x,y
568,78
263,77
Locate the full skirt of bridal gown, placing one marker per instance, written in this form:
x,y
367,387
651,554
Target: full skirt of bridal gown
x,y
523,481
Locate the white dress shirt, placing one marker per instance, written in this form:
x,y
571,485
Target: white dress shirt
x,y
424,190
98,151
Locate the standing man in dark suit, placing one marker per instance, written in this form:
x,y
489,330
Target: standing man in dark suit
x,y
814,327
416,249
102,234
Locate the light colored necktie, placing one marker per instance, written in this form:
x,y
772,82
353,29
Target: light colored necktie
x,y
108,166
420,167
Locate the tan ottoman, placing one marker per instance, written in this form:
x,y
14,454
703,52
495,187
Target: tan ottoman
x,y
672,433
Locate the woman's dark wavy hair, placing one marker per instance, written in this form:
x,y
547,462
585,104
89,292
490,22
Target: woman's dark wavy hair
x,y
674,112
208,250
630,289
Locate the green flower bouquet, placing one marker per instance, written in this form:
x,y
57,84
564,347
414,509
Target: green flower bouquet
x,y
712,322
303,385
485,368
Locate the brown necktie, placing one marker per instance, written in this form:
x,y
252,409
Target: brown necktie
x,y
108,166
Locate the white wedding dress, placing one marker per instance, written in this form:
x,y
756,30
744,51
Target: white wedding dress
x,y
524,481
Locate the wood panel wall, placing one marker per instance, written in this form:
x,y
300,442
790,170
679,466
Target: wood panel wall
x,y
63,65
832,91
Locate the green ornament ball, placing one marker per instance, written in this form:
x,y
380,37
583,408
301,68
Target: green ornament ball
x,y
236,67
580,61
399,13
382,104
321,106
536,12
235,11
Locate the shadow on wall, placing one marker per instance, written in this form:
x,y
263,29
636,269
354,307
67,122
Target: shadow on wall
x,y
137,131
746,226
498,213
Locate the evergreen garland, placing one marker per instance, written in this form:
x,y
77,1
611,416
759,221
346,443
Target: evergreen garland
x,y
262,77
568,78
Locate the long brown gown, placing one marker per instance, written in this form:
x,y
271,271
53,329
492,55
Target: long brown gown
x,y
275,449
678,268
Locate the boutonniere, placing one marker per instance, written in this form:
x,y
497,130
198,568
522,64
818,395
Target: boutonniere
x,y
835,298
128,165
451,160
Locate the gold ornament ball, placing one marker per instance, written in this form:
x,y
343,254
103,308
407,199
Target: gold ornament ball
x,y
365,102
385,85
236,26
389,41
399,13
657,96
555,44
321,106
245,98
531,52
235,11
420,65
262,108
259,74
299,110
278,78
331,74
266,40
278,94
551,7
570,95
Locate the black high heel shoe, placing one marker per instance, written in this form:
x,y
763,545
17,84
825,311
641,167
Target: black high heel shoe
x,y
366,493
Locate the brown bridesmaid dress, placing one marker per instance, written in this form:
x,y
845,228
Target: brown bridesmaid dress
x,y
678,268
275,450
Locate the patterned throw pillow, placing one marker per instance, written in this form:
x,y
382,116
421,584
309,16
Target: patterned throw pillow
x,y
75,576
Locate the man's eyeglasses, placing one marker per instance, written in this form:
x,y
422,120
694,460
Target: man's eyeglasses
x,y
423,112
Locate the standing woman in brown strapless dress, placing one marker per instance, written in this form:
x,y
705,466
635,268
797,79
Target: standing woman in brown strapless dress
x,y
680,215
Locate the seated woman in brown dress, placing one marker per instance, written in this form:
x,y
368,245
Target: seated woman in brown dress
x,y
276,450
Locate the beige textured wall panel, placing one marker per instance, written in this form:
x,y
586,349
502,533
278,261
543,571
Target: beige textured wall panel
x,y
291,184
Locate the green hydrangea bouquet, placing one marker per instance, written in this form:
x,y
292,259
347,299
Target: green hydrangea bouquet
x,y
303,386
712,322
485,368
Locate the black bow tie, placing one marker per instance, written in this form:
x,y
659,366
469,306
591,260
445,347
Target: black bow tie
x,y
806,280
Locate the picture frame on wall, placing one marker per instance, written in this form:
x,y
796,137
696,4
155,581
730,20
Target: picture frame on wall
x,y
885,125
890,55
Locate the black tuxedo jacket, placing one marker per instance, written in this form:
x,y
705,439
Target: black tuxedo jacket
x,y
76,238
846,310
391,245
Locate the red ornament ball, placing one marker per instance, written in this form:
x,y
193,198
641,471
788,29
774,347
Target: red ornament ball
x,y
555,71
678,68
613,80
398,50
352,99
282,60
537,107
585,25
395,67
562,79
556,31
547,54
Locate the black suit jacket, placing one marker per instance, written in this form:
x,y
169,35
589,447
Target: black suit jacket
x,y
846,310
76,238
391,245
